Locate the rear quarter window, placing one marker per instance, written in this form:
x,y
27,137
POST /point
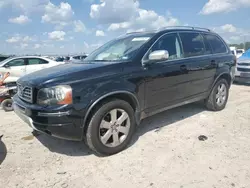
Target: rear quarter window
x,y
36,61
216,43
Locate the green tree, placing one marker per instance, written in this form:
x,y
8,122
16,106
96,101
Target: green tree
x,y
247,45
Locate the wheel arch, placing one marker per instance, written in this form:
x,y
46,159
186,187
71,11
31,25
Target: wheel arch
x,y
224,75
123,95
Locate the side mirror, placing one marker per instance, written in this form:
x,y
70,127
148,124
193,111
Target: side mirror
x,y
158,55
6,66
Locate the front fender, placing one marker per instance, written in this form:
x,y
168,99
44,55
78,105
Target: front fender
x,y
93,93
113,93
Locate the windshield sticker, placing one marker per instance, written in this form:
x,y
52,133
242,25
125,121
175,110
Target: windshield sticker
x,y
141,39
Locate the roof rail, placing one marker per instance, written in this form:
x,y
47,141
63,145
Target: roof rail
x,y
134,32
186,27
144,31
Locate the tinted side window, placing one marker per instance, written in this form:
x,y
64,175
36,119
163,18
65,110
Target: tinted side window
x,y
207,46
169,42
217,45
35,61
16,62
193,44
76,57
42,61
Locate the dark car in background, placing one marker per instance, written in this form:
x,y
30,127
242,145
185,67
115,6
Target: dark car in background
x,y
79,57
102,99
70,59
2,57
59,59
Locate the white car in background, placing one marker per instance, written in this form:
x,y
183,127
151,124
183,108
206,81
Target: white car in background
x,y
20,66
236,51
239,52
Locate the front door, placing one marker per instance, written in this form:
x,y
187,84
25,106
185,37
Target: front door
x,y
16,68
166,81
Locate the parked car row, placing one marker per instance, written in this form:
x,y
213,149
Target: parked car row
x,y
68,58
20,66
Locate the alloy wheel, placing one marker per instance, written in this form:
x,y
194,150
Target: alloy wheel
x,y
114,128
221,94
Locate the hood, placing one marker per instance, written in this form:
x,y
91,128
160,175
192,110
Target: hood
x,y
243,59
246,55
65,73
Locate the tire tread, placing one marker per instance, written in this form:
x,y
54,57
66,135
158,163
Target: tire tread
x,y
96,115
209,102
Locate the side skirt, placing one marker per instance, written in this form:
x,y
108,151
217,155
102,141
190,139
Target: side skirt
x,y
146,113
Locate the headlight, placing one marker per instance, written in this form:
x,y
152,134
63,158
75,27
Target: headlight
x,y
55,95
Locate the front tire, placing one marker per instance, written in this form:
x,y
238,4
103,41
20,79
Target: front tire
x,y
218,97
7,105
111,127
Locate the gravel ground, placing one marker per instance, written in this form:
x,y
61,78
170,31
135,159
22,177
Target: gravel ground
x,y
165,152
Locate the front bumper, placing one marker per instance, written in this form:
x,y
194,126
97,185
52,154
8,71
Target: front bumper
x,y
242,74
242,79
63,123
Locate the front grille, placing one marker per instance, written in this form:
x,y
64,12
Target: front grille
x,y
25,93
244,64
243,70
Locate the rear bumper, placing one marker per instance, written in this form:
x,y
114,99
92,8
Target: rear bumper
x,y
63,124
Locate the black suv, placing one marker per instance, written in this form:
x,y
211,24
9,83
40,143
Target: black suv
x,y
103,98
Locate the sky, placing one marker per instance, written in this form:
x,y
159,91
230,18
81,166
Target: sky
x,y
78,26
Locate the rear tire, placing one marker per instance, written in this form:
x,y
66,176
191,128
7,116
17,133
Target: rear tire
x,y
111,127
7,105
218,97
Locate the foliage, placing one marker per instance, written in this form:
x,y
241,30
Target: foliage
x,y
241,45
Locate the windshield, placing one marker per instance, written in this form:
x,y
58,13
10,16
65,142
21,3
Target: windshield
x,y
119,49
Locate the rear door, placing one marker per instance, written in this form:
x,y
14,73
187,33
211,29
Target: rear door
x,y
200,64
35,64
221,56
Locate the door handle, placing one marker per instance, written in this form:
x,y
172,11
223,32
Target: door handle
x,y
213,63
183,68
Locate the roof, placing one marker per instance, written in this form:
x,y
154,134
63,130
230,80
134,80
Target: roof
x,y
27,56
